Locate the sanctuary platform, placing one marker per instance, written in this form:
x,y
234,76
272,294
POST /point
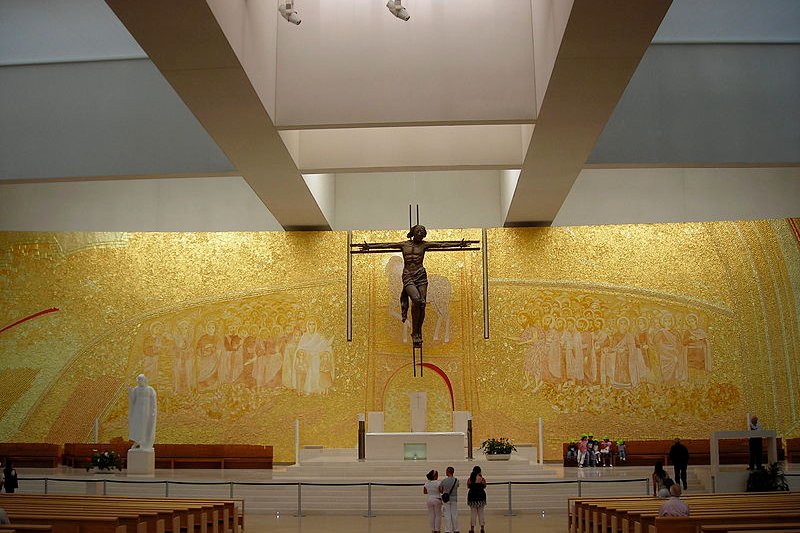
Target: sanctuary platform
x,y
343,485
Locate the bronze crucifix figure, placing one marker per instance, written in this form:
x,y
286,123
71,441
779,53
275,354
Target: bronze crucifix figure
x,y
415,277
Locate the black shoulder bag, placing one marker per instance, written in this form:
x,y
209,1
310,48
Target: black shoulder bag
x,y
446,495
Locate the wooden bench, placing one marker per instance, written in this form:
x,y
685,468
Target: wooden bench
x,y
22,528
710,510
640,514
792,450
123,514
213,456
785,527
79,455
693,524
31,454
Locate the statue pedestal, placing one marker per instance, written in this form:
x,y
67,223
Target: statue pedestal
x,y
141,462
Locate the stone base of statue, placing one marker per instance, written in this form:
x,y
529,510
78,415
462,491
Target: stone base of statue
x,y
141,462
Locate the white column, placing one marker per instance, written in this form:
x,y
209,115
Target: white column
x,y
297,441
541,442
375,421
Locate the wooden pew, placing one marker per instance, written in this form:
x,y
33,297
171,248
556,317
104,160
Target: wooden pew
x,y
793,450
785,527
707,510
213,456
143,515
623,515
26,528
78,454
64,523
31,454
693,524
84,517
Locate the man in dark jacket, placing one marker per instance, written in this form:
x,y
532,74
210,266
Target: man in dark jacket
x,y
679,457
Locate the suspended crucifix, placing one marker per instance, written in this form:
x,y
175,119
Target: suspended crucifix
x,y
415,277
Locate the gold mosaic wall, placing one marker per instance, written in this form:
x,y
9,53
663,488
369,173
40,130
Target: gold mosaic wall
x,y
646,331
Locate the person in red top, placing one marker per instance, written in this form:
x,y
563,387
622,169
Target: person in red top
x,y
583,448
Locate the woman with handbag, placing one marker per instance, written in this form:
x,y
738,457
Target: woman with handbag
x,y
434,500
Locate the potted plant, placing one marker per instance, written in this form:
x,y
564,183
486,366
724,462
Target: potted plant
x,y
498,449
105,461
771,478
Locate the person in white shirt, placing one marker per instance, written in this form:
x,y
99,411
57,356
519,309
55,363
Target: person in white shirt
x,y
674,506
434,500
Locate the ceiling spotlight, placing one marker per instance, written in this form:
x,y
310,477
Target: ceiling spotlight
x,y
287,11
398,10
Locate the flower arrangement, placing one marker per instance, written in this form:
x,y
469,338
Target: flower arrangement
x,y
106,460
499,446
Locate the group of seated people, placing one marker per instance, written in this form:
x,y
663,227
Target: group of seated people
x,y
588,451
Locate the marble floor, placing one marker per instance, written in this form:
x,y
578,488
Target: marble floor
x,y
405,523
335,498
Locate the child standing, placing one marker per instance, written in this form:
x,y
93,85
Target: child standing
x,y
583,448
621,451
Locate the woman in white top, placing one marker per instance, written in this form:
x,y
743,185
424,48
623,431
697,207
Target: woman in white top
x,y
434,500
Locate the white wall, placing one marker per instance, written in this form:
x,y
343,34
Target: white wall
x,y
251,28
707,104
508,184
67,30
352,62
98,118
177,204
453,199
450,199
629,196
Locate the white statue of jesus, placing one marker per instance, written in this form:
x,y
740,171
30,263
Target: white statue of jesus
x,y
142,414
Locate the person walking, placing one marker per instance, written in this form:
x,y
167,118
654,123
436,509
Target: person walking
x,y
450,500
434,500
10,482
679,457
476,498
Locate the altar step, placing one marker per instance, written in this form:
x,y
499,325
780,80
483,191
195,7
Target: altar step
x,y
342,464
411,470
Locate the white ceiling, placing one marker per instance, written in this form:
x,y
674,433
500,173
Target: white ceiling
x,y
453,62
434,108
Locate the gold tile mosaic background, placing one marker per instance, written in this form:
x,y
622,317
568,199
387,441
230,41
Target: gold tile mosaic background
x,y
645,331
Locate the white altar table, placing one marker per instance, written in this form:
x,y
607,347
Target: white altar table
x,y
736,480
422,446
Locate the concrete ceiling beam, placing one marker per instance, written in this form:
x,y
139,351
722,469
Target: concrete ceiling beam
x,y
602,45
